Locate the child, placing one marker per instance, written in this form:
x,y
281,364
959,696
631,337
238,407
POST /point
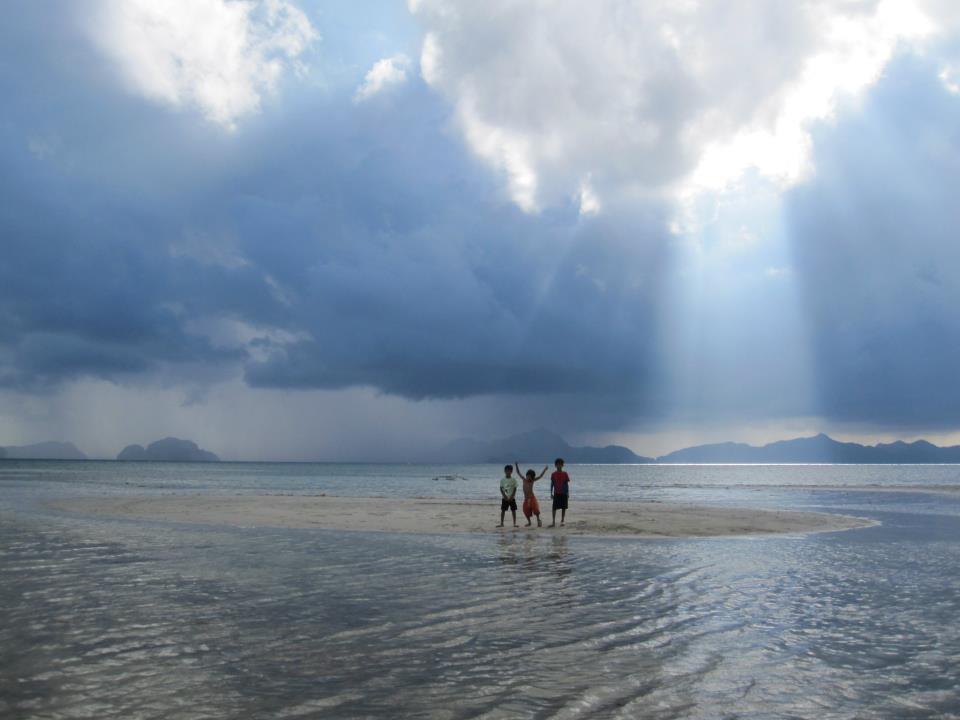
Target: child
x,y
508,495
560,492
530,505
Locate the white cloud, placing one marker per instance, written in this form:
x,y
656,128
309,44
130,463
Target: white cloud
x,y
385,73
219,56
235,334
851,56
657,97
948,76
589,202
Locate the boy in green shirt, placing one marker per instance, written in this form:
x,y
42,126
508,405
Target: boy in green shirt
x,y
508,495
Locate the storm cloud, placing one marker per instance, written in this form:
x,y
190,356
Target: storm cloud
x,y
326,246
457,217
874,237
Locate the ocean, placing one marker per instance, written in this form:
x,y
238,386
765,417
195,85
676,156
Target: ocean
x,y
109,618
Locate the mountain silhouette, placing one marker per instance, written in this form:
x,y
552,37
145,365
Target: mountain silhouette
x,y
167,450
543,445
535,446
43,451
817,449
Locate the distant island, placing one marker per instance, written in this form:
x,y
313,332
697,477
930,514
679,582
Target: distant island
x,y
167,450
535,446
49,450
817,449
543,446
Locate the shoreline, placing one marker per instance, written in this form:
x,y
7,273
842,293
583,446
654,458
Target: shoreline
x,y
653,520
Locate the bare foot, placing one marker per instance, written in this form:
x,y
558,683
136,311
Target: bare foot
x,y
515,525
500,525
553,524
539,524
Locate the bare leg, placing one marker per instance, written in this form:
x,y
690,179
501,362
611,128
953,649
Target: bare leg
x,y
502,514
514,513
563,515
554,523
539,524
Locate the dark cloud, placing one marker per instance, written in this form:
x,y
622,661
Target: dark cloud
x,y
361,244
439,288
874,237
325,244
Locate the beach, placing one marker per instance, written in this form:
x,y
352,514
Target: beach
x,y
223,590
444,515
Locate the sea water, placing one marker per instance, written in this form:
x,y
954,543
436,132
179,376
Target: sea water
x,y
134,619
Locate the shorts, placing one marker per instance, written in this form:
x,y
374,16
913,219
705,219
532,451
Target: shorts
x,y
560,502
510,504
531,507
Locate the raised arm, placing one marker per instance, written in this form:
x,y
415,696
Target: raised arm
x,y
543,472
516,466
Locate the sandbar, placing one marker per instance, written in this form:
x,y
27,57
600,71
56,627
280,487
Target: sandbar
x,y
436,515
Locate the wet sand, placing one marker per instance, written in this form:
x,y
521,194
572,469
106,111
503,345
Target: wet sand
x,y
434,515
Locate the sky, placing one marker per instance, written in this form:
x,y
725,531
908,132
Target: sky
x,y
297,230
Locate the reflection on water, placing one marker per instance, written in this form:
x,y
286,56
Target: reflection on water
x,y
121,620
116,619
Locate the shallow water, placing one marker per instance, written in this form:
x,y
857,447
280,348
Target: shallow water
x,y
120,619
